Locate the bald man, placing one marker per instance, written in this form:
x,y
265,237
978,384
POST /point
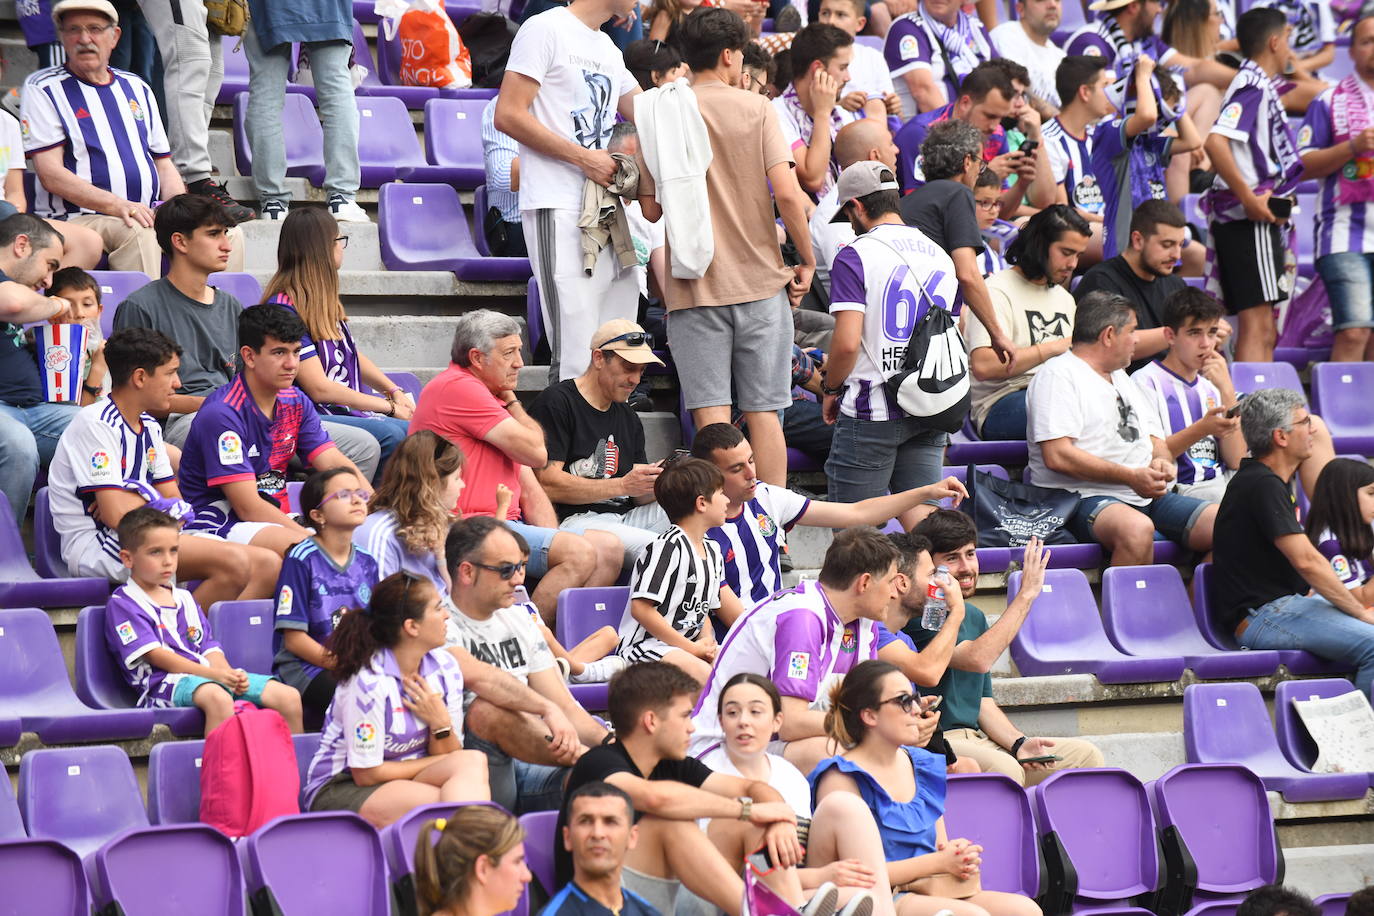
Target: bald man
x,y
867,138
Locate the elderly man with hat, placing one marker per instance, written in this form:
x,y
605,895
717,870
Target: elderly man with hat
x,y
597,474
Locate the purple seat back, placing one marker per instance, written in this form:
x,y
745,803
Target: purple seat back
x,y
47,543
1333,904
244,629
79,796
479,215
114,286
362,53
1103,819
242,286
386,139
174,782
1340,394
994,812
583,611
21,586
132,870
399,838
11,821
299,858
14,563
99,683
1248,377
301,130
1295,742
541,835
1221,812
453,132
41,878
422,227
235,69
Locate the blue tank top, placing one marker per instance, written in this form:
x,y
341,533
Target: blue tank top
x,y
907,828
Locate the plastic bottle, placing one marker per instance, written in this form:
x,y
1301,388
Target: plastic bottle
x,y
936,607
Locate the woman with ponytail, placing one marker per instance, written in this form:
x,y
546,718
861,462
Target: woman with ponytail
x,y
874,716
393,735
471,863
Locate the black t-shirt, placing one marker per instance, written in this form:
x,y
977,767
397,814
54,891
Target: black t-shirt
x,y
945,212
19,382
1248,570
1148,296
591,443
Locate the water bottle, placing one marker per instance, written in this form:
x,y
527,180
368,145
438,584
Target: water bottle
x,y
936,607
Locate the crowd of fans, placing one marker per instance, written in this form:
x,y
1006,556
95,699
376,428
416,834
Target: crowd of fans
x,y
800,219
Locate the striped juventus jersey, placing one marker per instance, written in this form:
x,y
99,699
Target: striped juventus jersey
x,y
100,451
1179,404
1071,161
684,584
110,135
751,541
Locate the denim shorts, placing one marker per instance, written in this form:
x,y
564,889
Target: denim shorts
x,y
539,539
184,693
1348,277
1173,514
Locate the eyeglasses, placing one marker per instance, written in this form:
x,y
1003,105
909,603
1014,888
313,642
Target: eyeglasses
x,y
904,700
342,241
83,31
359,494
988,205
634,339
1125,428
502,570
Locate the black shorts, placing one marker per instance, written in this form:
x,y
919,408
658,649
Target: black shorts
x,y
1253,260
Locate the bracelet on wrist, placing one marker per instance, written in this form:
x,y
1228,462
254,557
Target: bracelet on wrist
x,y
1016,746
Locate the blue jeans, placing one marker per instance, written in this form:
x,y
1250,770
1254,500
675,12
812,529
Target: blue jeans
x,y
1347,276
267,69
805,429
1006,419
388,431
1300,622
873,457
28,438
516,785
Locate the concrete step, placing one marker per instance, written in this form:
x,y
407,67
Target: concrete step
x,y
260,238
383,293
1329,869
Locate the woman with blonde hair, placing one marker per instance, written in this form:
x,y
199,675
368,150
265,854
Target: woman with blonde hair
x,y
474,867
333,371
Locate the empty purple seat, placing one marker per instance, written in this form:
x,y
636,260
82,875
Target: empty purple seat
x,y
100,684
34,687
20,586
301,131
11,821
79,796
236,72
1075,556
114,286
583,611
387,145
47,543
242,286
41,878
1146,611
1340,395
1248,377
1064,635
422,227
965,447
294,862
994,812
244,629
1228,723
132,870
1295,742
541,832
174,777
1332,904
453,140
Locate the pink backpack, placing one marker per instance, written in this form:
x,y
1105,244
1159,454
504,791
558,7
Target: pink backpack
x,y
248,772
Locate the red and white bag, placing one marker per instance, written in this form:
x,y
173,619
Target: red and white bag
x,y
432,54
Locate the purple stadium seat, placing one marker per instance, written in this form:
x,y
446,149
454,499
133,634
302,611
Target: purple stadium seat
x,y
994,812
244,629
1075,556
11,822
293,862
34,687
1097,824
174,777
79,796
20,586
398,845
541,833
422,227
797,460
303,134
1333,904
1294,740
387,145
99,683
242,286
1340,393
47,543
453,140
1146,611
42,878
132,871
1228,723
11,728
965,447
1064,635
583,611
1248,377
114,286
479,214
235,69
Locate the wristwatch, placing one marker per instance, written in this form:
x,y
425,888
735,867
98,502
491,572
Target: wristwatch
x,y
1016,746
439,734
831,392
746,807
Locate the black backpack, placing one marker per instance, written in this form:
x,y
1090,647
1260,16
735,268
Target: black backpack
x,y
488,37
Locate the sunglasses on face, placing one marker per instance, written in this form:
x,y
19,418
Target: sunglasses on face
x,y
502,570
906,701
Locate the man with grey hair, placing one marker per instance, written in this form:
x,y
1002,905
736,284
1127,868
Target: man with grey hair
x,y
1271,586
472,404
1092,430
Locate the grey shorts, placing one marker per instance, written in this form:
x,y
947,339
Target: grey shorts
x,y
744,350
342,794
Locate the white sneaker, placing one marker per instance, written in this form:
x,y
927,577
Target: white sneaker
x,y
347,211
563,667
823,902
861,904
599,671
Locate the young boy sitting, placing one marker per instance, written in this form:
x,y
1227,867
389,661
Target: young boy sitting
x,y
163,640
987,200
83,292
680,577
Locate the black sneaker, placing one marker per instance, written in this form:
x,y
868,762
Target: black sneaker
x,y
213,189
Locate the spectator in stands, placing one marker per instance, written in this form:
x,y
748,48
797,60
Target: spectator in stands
x,y
501,223
1344,232
324,29
1029,39
233,470
1144,274
112,460
927,667
485,565
1093,431
393,736
333,370
878,447
654,63
1255,154
561,64
1031,299
473,405
1338,524
820,70
1312,33
1069,137
975,726
172,659
476,867
597,473
874,717
870,87
1125,31
732,328
864,139
1273,900
987,203
756,75
322,578
83,291
30,250
1361,903
599,833
932,50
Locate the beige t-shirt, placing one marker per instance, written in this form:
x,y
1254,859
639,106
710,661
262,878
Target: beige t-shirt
x,y
1031,314
745,143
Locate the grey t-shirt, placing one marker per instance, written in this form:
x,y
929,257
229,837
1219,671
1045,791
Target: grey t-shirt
x,y
207,334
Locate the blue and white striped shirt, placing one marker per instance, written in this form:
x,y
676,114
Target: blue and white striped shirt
x,y
498,150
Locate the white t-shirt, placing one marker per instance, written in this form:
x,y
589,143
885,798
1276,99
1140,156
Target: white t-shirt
x,y
1067,397
507,639
11,144
1041,61
868,73
581,77
783,776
